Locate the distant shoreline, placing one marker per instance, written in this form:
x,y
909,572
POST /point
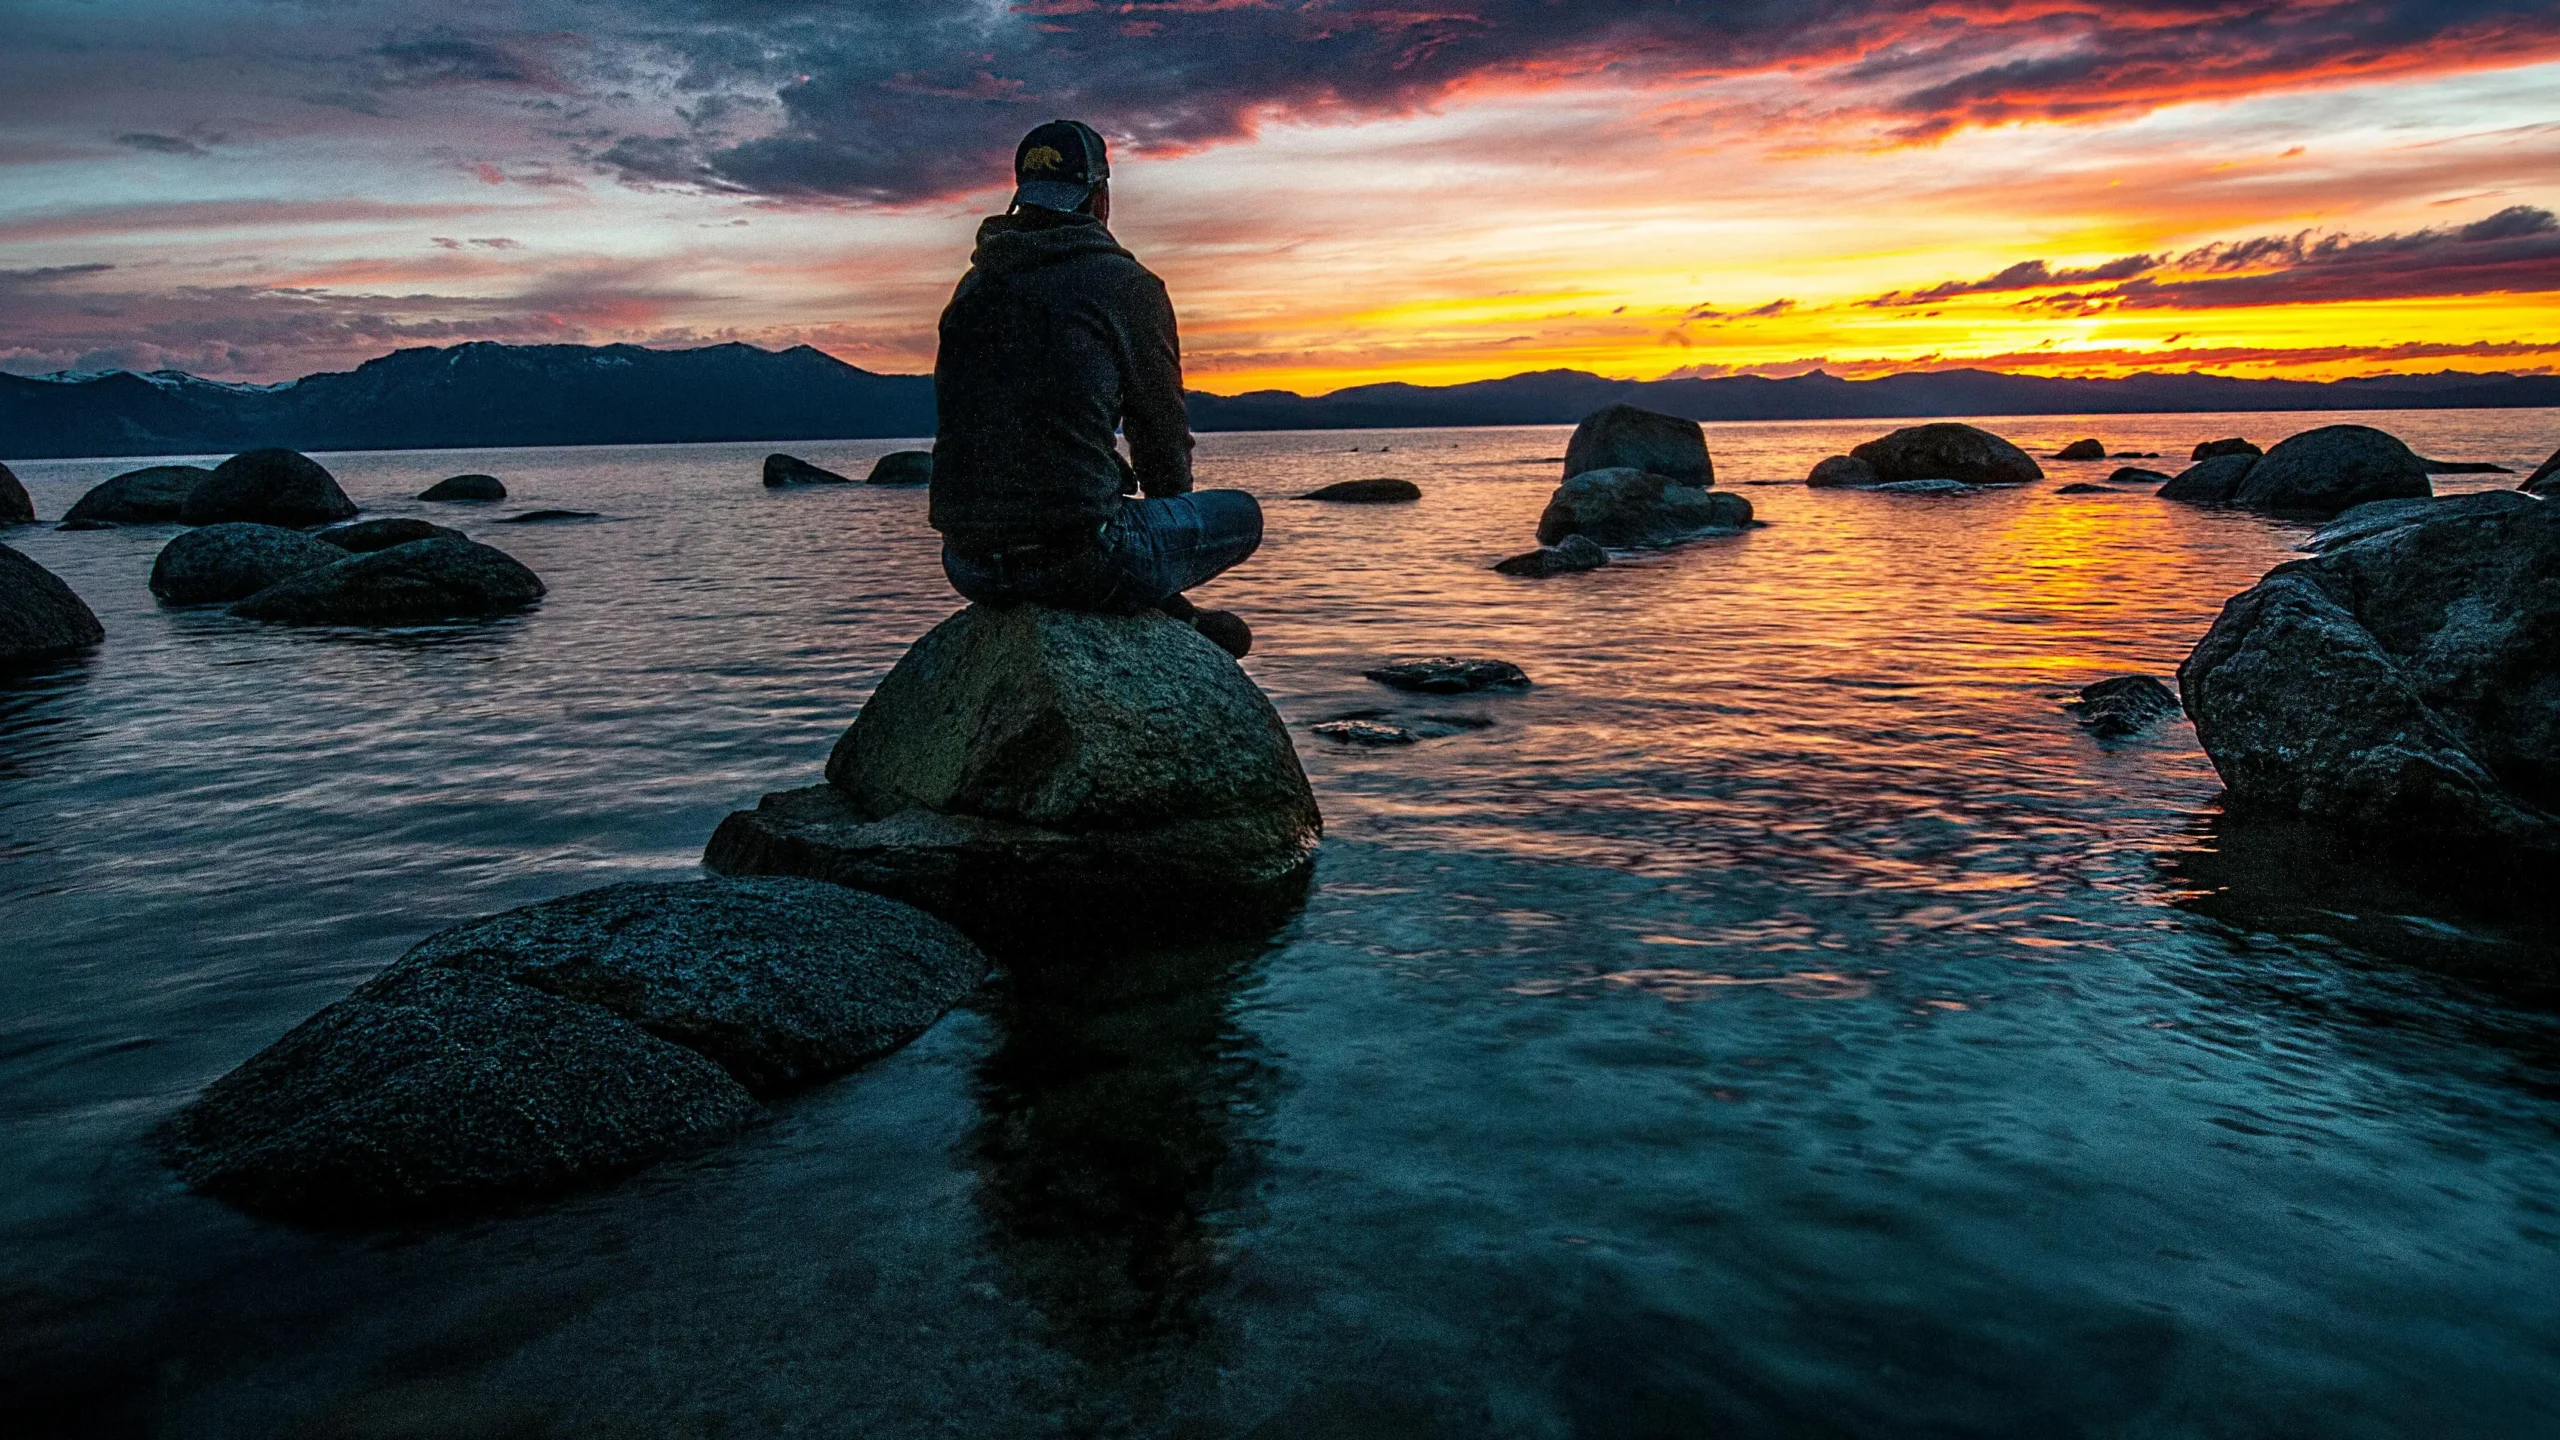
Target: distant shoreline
x,y
487,396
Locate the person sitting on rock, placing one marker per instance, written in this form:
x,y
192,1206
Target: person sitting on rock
x,y
1056,339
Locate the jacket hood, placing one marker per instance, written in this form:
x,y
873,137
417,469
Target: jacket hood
x,y
1009,244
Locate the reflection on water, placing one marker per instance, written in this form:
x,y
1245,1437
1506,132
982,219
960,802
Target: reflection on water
x,y
1781,1019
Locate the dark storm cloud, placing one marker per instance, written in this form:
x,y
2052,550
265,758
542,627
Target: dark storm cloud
x,y
894,103
2516,251
2026,275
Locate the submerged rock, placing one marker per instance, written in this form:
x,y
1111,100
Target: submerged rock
x,y
86,525
2082,450
2545,480
15,506
1449,675
1926,487
363,537
435,1092
2136,475
1947,451
2210,482
1569,556
2403,687
151,495
2371,519
40,617
2462,467
1623,437
412,584
2125,705
1363,732
782,470
545,517
2085,488
1025,763
782,982
2216,449
2323,472
1368,492
1634,508
220,563
1844,472
902,467
268,487
466,487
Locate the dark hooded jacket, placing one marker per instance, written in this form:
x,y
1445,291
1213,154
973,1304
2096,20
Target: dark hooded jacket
x,y
1055,339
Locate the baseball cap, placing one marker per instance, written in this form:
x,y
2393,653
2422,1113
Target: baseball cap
x,y
1057,165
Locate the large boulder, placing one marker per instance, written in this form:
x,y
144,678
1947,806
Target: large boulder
x,y
2403,687
153,494
1636,507
2371,519
412,584
786,470
221,563
2082,450
782,982
2335,468
363,537
2210,482
40,617
1023,764
1947,451
902,467
2545,480
433,1092
466,487
2216,449
15,506
1623,437
268,487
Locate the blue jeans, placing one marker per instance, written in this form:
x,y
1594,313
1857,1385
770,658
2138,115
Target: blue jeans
x,y
1150,552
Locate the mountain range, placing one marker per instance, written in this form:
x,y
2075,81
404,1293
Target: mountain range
x,y
487,394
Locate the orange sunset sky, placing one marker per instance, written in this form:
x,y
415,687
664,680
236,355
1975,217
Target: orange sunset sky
x,y
1337,193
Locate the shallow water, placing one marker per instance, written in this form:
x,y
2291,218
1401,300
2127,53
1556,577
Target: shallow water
x,y
1782,1020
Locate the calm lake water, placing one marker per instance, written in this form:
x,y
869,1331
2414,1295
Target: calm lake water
x,y
1783,1020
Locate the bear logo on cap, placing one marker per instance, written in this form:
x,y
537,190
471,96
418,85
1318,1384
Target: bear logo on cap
x,y
1042,157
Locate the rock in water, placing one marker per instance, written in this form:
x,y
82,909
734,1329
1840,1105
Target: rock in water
x,y
2546,479
2210,482
39,616
1449,675
545,517
2216,449
1368,492
15,506
2125,705
1632,507
2085,488
1622,437
2369,520
153,494
2462,467
1571,555
1371,733
466,487
782,470
2325,471
1947,451
363,537
268,487
2404,687
1025,764
2136,475
902,467
1843,472
2082,450
220,563
1926,487
782,982
413,584
434,1092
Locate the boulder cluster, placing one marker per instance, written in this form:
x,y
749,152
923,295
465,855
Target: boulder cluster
x,y
1633,479
2316,474
549,1047
898,467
